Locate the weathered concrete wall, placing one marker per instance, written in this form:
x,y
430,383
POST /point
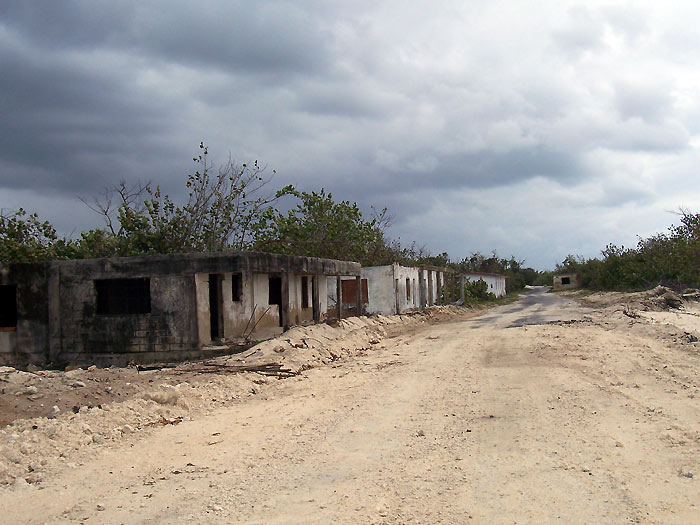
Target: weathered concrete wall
x,y
380,287
496,283
28,342
387,288
431,282
57,305
168,332
407,294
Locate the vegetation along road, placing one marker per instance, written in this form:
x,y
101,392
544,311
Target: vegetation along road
x,y
507,417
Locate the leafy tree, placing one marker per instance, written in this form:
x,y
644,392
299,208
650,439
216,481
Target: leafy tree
x,y
25,238
321,227
221,212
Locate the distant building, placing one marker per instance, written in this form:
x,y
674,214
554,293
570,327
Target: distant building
x,y
566,282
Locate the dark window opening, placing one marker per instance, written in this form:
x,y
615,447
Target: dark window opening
x,y
8,307
565,280
237,287
408,289
304,292
275,291
123,296
215,307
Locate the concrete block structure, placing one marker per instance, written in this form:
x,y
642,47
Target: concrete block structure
x,y
566,282
159,307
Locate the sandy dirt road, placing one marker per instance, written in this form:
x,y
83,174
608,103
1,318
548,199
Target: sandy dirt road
x,y
504,418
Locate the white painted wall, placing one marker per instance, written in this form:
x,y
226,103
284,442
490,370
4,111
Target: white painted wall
x,y
496,283
401,274
380,289
385,283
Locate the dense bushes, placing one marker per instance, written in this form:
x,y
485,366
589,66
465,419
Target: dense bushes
x,y
671,259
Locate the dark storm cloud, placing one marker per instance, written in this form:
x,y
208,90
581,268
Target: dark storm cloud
x,y
238,35
419,176
66,24
64,118
77,114
263,37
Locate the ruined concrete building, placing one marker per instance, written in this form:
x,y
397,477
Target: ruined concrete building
x,y
158,307
395,289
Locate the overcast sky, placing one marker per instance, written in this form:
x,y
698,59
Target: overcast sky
x,y
536,129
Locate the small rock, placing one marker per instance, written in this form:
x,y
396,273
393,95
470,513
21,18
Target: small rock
x,y
21,483
11,437
78,384
13,457
54,412
279,349
92,368
686,473
108,389
31,390
167,395
127,429
97,439
420,433
24,449
672,299
100,507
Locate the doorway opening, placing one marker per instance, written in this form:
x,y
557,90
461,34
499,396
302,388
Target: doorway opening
x,y
275,294
216,307
305,291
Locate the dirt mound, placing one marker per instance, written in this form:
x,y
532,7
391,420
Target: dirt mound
x,y
659,298
59,417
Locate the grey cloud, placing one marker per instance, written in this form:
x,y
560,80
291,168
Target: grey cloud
x,y
260,37
648,102
582,32
629,21
264,37
467,171
66,24
61,116
382,103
